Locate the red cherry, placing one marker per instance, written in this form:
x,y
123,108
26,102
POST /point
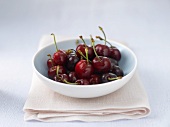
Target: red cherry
x,y
50,62
115,53
82,82
101,64
71,62
84,69
52,71
102,50
72,77
107,77
60,57
95,79
81,47
117,71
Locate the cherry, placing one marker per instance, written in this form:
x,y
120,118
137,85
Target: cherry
x,y
50,62
107,77
81,47
72,77
95,79
101,64
82,82
115,53
52,71
71,62
102,50
113,63
83,68
117,71
60,56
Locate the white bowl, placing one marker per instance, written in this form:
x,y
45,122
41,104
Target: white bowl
x,y
128,63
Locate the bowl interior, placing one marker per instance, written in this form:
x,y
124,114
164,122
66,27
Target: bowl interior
x,y
127,62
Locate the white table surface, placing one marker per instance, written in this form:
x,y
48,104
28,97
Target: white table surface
x,y
144,25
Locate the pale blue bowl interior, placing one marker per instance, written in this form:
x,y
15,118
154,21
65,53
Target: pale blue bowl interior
x,y
127,62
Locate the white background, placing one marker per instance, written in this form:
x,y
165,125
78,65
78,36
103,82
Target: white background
x,y
144,25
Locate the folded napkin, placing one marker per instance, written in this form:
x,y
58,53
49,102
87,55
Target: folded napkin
x,y
43,104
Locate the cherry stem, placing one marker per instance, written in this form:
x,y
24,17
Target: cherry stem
x,y
103,34
57,70
77,42
86,50
51,59
83,55
92,43
70,51
81,37
70,82
115,78
55,41
100,38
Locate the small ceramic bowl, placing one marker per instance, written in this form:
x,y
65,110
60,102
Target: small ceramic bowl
x,y
128,63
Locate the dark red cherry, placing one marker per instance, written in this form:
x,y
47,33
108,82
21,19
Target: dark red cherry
x,y
101,64
107,77
82,82
102,50
72,77
117,71
50,62
95,79
60,57
52,71
82,47
113,63
84,69
71,62
115,53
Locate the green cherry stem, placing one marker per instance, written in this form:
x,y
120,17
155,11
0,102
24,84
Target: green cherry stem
x,y
86,50
70,82
100,38
103,34
55,41
77,42
81,37
83,55
92,43
51,59
57,70
115,78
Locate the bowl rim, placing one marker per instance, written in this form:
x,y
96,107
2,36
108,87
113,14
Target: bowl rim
x,y
83,86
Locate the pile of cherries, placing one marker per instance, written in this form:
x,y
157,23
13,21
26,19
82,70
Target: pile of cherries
x,y
86,65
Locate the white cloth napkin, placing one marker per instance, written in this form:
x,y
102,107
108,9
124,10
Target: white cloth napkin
x,y
43,104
